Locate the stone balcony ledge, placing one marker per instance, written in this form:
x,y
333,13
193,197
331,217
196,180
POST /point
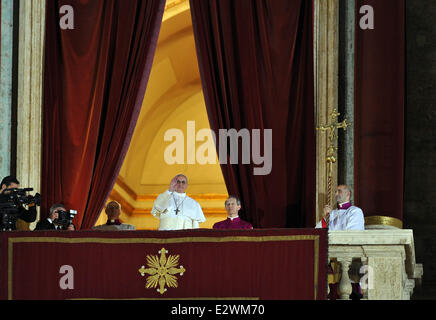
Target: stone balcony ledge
x,y
388,254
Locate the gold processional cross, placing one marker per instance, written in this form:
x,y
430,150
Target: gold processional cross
x,y
331,148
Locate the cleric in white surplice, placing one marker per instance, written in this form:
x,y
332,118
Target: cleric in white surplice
x,y
175,209
346,217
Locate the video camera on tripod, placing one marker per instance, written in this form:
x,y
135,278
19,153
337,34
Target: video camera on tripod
x,y
11,204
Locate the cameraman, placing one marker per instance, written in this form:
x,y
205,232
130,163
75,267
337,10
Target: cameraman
x,y
7,184
51,222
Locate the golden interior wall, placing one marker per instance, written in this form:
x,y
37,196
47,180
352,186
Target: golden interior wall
x,y
173,97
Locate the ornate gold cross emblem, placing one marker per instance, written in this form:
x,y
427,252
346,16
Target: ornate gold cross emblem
x,y
331,129
161,271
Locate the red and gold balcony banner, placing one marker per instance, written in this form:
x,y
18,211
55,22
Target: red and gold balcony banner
x,y
195,264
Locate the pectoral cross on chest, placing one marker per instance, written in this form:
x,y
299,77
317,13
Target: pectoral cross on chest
x,y
177,210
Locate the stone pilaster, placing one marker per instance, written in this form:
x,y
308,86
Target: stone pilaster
x,y
6,61
346,91
29,114
326,44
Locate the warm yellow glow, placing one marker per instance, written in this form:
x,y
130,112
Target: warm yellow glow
x,y
173,97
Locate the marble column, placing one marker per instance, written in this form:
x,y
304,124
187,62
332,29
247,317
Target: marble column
x,y
6,60
326,45
346,91
29,113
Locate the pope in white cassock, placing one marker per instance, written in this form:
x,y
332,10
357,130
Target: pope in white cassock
x,y
346,217
175,209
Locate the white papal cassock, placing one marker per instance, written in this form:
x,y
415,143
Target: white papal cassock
x,y
350,218
188,215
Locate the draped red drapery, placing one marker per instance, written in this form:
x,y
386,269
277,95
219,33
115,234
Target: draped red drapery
x,y
256,64
379,109
95,77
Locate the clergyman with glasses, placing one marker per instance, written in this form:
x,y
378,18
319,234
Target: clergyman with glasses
x,y
175,209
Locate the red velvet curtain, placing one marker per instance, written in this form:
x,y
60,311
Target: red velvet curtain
x,y
256,65
379,109
94,82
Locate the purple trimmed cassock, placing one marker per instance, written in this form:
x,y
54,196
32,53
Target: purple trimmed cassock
x,y
233,223
346,217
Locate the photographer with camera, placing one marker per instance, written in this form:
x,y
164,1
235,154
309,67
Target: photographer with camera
x,y
58,219
12,200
